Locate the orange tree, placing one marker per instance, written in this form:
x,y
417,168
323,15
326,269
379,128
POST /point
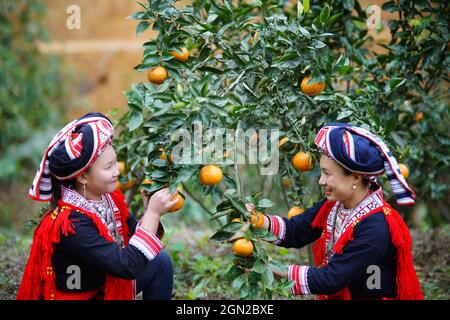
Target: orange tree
x,y
291,66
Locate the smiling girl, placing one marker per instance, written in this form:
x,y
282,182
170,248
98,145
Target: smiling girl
x,y
88,245
362,247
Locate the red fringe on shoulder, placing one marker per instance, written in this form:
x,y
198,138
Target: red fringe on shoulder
x,y
320,222
38,281
408,285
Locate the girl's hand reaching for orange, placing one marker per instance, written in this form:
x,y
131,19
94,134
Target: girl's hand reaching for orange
x,y
161,201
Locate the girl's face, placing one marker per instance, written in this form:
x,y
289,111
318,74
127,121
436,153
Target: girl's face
x,y
337,186
103,173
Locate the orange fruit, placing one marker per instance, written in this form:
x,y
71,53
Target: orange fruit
x,y
282,141
181,56
311,89
125,186
404,170
243,247
286,182
236,220
122,168
257,220
210,175
254,38
177,206
147,181
295,211
164,156
302,161
157,75
418,116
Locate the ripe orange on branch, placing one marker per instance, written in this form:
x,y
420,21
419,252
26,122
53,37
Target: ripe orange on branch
x,y
210,175
295,211
243,247
147,181
126,185
282,141
183,56
311,89
257,220
177,206
157,75
404,170
286,182
122,168
418,116
302,161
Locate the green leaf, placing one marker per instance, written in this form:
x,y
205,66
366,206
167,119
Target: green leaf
x,y
277,266
395,83
267,277
142,26
231,227
136,120
234,272
344,70
324,14
259,266
300,8
305,6
264,203
221,236
239,282
344,114
160,163
137,15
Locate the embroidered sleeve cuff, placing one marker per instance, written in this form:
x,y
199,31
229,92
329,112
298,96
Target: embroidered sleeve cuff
x,y
146,242
299,274
278,228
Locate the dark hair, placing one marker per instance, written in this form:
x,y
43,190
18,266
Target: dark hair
x,y
365,180
56,189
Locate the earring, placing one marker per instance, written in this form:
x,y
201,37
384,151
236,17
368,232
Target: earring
x,y
84,190
354,186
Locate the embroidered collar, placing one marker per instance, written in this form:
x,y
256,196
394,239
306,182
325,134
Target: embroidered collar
x,y
373,201
72,197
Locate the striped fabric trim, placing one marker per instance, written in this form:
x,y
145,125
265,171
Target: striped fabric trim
x,y
146,242
299,274
278,228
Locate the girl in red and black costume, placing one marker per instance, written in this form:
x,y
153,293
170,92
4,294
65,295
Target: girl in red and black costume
x,y
88,245
362,247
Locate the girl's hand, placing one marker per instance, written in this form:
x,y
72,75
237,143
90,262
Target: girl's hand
x,y
144,200
250,207
279,274
160,202
279,270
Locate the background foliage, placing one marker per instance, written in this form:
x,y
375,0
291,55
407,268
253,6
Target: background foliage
x,y
247,61
31,88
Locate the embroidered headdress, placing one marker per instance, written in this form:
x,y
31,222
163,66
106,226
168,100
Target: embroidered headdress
x,y
71,152
360,151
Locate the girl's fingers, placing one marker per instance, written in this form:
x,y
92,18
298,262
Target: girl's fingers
x,y
170,204
250,207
